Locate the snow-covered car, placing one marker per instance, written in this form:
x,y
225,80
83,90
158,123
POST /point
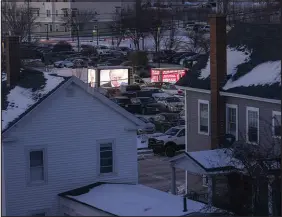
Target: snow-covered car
x,y
173,104
64,64
171,141
149,127
182,114
160,96
103,50
142,141
171,89
124,50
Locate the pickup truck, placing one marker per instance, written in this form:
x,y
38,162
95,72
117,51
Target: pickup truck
x,y
168,143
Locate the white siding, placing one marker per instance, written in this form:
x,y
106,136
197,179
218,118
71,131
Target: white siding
x,y
68,128
73,208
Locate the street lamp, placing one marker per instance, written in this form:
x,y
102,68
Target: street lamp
x,y
158,43
47,35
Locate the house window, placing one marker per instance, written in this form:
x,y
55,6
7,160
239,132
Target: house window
x,y
232,120
66,29
36,164
48,13
56,13
57,28
106,158
205,181
51,27
37,13
65,11
276,124
203,117
252,125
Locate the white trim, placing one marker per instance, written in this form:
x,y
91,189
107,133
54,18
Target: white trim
x,y
204,179
114,155
186,121
274,101
247,124
193,89
273,123
222,93
206,102
30,149
237,120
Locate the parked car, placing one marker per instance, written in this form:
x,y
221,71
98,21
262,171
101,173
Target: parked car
x,y
158,84
113,62
172,103
178,54
171,141
149,128
160,96
103,50
147,92
164,121
182,114
205,28
128,104
129,90
149,105
171,89
124,50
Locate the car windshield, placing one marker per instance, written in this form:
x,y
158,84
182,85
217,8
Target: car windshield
x,y
144,120
124,101
147,100
172,132
173,99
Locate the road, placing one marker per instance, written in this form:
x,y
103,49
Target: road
x,y
155,172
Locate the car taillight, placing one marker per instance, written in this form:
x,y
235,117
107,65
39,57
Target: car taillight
x,y
179,92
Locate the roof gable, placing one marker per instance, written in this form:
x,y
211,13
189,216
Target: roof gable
x,y
64,85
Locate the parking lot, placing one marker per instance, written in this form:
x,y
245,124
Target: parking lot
x,y
155,172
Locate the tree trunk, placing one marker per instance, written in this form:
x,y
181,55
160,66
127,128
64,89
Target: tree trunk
x,y
77,36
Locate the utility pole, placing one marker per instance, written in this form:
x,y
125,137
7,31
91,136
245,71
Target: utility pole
x,y
158,34
137,20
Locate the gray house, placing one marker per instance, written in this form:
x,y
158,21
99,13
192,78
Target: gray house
x,y
236,89
59,134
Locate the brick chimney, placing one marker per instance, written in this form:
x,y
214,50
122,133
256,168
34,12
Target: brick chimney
x,y
218,68
13,62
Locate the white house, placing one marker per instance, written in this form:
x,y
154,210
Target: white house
x,y
58,138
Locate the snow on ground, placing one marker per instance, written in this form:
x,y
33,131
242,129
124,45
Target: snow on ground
x,y
3,76
142,141
234,58
20,99
138,200
265,73
216,158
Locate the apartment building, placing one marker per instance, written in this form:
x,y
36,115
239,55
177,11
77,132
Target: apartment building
x,y
50,13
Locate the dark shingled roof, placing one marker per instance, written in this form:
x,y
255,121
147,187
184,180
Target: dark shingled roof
x,y
263,41
29,79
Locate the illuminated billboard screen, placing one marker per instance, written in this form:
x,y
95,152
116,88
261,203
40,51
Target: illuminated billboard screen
x,y
113,77
167,75
91,77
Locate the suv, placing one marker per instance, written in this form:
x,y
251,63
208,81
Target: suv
x,y
171,141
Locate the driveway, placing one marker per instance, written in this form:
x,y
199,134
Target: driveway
x,y
155,172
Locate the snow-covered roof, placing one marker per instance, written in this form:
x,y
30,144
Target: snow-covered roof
x,y
208,161
217,158
253,63
22,97
135,200
35,87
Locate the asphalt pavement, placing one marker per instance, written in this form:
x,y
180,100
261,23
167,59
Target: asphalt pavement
x,y
155,172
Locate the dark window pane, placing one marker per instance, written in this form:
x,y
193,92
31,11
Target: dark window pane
x,y
203,128
108,169
253,134
106,154
277,130
36,158
106,162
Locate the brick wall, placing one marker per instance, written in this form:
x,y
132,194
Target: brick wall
x,y
218,76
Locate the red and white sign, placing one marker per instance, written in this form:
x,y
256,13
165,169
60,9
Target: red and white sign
x,y
167,75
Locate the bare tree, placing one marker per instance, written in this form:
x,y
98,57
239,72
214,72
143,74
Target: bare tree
x,y
117,30
18,20
198,42
255,187
77,21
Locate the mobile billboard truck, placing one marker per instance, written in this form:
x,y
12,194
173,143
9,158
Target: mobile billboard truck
x,y
171,75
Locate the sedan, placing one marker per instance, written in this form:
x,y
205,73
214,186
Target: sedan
x,y
149,105
173,104
171,89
